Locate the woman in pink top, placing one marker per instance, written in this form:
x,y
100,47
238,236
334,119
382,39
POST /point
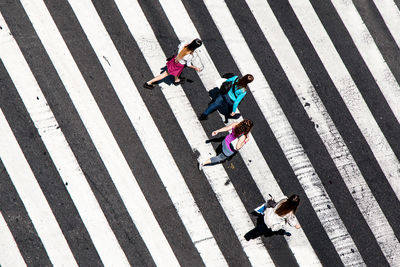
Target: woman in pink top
x,y
232,142
176,65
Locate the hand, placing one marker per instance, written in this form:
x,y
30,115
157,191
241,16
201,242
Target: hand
x,y
298,226
214,133
233,114
197,69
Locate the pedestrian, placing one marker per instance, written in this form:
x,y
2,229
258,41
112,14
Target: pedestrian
x,y
177,63
232,98
274,216
234,141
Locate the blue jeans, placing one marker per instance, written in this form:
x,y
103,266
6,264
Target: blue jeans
x,y
223,103
226,153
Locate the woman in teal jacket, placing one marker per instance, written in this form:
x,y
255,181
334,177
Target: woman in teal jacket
x,y
232,99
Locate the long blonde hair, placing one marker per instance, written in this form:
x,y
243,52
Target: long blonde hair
x,y
188,49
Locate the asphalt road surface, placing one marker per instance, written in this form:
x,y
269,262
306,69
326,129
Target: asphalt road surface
x,y
97,170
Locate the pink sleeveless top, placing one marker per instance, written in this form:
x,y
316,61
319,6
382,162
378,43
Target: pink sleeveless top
x,y
229,139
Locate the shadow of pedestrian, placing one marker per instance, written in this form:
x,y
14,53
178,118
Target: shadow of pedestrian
x,y
262,229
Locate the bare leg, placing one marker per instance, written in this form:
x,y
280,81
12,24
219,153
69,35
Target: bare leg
x,y
158,77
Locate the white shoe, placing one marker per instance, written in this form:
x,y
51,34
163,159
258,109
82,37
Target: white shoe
x,y
200,165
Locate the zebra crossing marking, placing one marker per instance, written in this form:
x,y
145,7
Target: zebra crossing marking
x,y
9,251
32,197
285,135
252,156
187,119
349,92
61,154
101,135
148,133
391,15
330,136
370,53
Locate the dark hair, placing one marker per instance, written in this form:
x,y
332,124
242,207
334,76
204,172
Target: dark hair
x,y
242,82
244,127
189,49
196,43
290,205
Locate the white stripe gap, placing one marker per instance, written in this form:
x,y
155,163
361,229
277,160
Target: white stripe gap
x,y
251,154
391,15
285,135
148,133
191,127
9,251
102,138
370,53
333,141
60,152
33,198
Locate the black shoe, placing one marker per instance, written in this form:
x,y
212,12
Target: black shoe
x,y
180,82
148,86
203,117
247,237
236,116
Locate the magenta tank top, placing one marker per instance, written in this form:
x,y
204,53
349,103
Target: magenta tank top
x,y
228,140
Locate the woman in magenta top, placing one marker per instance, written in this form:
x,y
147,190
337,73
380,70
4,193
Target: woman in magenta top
x,y
234,141
176,65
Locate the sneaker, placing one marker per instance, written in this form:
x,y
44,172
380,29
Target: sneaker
x,y
148,86
200,166
203,117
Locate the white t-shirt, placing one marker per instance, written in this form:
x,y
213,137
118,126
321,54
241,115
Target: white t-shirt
x,y
186,59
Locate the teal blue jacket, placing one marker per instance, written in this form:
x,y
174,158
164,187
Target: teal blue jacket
x,y
237,96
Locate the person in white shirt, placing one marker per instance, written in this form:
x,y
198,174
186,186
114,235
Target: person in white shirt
x,y
273,217
176,65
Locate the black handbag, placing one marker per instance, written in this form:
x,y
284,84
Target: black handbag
x,y
226,86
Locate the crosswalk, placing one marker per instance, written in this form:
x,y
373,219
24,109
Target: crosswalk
x,y
96,170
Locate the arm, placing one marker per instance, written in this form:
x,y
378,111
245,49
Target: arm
x,y
224,129
193,67
241,142
292,221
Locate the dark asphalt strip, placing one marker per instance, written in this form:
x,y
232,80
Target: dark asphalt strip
x,y
20,224
44,170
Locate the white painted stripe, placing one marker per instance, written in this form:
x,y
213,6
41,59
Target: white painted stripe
x,y
251,154
349,92
81,194
391,15
10,256
101,136
285,135
370,53
32,196
326,129
191,127
148,133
